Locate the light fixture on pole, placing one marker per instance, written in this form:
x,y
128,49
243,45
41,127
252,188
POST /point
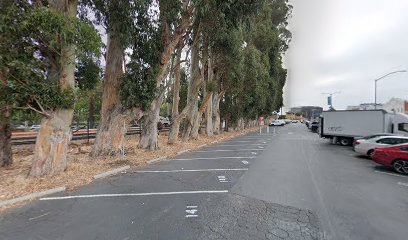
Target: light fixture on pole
x,y
375,84
330,97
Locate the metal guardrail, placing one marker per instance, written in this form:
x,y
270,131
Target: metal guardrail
x,y
77,136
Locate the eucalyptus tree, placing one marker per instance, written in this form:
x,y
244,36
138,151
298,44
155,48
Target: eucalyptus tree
x,y
118,19
150,62
42,42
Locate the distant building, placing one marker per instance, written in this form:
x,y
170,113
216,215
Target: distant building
x,y
353,107
365,106
309,112
396,105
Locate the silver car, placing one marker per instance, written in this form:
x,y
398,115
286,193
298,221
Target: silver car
x,y
367,146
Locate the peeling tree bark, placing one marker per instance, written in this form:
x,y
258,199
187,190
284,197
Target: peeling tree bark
x,y
216,111
175,116
51,147
149,134
169,41
192,95
111,132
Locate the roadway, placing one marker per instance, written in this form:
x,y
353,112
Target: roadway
x,y
286,184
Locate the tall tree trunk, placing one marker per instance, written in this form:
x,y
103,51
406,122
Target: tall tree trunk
x,y
110,136
149,134
51,147
175,116
6,157
192,95
169,41
216,111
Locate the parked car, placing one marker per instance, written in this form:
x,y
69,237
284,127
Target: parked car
x,y
277,123
395,157
164,121
372,136
314,126
307,122
366,147
294,121
287,121
35,127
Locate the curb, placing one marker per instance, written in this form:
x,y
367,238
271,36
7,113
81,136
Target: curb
x,y
111,172
214,142
33,195
184,151
156,160
204,145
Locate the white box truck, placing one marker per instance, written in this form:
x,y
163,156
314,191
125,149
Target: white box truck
x,y
343,126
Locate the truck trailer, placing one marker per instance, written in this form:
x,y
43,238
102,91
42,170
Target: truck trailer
x,y
344,125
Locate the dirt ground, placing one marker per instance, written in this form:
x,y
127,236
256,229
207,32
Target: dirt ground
x,y
81,167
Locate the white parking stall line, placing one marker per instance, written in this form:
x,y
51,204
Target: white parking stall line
x,y
251,139
392,174
132,194
209,158
241,145
229,150
193,170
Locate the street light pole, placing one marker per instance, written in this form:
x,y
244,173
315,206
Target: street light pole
x,y
375,84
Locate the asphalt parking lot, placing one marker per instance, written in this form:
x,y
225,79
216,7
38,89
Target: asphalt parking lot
x,y
188,197
285,184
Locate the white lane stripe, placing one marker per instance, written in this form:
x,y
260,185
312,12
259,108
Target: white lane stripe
x,y
393,174
403,184
214,158
131,194
241,145
191,206
187,216
230,150
193,170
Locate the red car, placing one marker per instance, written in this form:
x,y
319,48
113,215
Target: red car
x,y
394,156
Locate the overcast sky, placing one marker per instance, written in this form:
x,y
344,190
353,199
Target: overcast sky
x,y
343,45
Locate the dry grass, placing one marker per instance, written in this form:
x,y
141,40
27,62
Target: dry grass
x,y
81,167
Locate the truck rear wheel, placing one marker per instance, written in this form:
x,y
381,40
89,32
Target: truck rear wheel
x,y
345,141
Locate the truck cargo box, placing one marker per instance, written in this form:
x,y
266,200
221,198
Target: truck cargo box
x,y
354,123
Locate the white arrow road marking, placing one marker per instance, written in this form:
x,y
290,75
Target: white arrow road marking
x,y
260,147
253,153
245,162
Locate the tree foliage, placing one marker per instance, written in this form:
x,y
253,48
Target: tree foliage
x,y
32,40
